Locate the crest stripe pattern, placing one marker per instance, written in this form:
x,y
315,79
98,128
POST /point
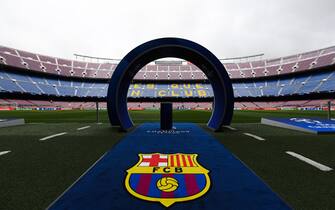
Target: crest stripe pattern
x,y
144,184
188,185
191,184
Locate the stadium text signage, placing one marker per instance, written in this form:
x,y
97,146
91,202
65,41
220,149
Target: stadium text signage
x,y
170,90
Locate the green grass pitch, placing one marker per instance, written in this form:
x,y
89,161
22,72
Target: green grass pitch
x,y
35,172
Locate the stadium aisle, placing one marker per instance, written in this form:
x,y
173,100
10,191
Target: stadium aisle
x,y
233,185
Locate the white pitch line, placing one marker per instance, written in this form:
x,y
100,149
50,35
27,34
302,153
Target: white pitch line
x,y
309,161
254,136
52,136
230,128
4,152
82,128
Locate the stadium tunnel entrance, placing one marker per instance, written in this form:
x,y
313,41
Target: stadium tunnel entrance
x,y
124,73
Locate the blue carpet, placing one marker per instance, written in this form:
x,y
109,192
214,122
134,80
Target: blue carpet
x,y
233,185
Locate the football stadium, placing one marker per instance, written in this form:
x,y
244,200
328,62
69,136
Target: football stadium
x,y
169,124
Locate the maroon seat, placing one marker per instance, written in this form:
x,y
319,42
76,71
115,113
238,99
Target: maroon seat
x,y
162,75
162,67
50,68
304,65
194,67
47,59
174,68
8,50
259,72
108,74
13,60
256,64
101,74
272,70
287,68
92,66
24,54
151,68
63,62
77,64
33,64
198,75
244,65
247,73
186,75
325,60
91,73
150,75
174,75
185,68
140,75
77,72
65,70
235,74
230,66
106,66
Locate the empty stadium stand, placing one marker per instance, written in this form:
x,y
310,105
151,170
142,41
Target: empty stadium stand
x,y
33,74
184,71
43,85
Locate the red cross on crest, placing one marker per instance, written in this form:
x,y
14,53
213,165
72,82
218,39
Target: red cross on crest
x,y
154,160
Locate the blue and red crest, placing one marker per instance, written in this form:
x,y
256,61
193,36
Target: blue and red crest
x,y
167,178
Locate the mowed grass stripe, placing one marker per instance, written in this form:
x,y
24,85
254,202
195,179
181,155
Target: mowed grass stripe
x,y
198,116
309,161
53,136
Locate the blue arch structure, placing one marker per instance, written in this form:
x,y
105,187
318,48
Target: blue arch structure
x,y
124,73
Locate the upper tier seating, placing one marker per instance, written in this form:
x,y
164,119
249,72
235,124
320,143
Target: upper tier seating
x,y
186,71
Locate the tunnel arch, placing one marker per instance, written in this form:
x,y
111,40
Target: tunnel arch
x,y
124,73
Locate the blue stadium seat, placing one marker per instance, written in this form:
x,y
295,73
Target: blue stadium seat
x,y
34,84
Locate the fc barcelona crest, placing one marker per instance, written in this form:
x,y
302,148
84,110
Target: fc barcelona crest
x,y
167,178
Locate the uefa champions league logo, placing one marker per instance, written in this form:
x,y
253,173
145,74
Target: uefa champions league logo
x,y
312,123
305,120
